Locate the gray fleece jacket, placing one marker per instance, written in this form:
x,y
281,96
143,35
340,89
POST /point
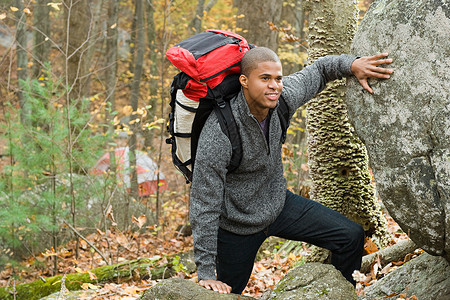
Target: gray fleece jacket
x,y
250,198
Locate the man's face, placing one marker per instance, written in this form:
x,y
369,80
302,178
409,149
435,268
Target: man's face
x,y
262,88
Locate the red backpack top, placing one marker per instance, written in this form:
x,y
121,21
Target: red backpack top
x,y
208,57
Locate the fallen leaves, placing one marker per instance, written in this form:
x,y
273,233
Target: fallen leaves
x,y
269,271
378,271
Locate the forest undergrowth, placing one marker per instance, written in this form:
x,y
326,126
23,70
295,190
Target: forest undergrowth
x,y
273,261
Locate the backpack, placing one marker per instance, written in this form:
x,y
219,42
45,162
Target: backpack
x,y
210,68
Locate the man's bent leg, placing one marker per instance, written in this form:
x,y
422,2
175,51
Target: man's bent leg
x,y
235,258
309,221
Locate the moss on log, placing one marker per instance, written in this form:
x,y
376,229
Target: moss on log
x,y
126,271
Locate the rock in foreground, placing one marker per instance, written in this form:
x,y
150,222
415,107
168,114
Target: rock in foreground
x,y
183,289
313,281
426,277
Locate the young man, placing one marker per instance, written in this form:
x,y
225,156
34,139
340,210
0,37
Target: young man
x,y
233,213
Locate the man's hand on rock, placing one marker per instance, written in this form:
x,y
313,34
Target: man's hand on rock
x,y
368,67
215,285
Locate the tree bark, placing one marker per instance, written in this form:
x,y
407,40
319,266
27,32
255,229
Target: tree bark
x,y
153,73
393,253
112,36
77,30
22,61
253,16
337,158
41,50
196,23
293,16
123,272
195,26
135,88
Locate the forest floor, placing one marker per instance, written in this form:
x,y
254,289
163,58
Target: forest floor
x,y
271,266
147,242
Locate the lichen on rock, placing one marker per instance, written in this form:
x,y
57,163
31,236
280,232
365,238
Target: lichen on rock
x,y
405,123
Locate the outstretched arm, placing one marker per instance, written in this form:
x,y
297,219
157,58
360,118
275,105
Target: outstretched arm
x,y
369,67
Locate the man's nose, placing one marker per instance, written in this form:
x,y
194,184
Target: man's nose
x,y
273,84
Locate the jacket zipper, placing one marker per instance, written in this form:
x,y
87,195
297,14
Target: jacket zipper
x,y
266,142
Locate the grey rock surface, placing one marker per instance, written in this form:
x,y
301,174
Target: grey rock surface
x,y
405,123
183,289
312,281
426,277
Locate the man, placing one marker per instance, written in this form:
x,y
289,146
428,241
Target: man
x,y
233,213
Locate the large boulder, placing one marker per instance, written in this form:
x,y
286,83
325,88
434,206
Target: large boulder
x,y
405,123
426,277
312,281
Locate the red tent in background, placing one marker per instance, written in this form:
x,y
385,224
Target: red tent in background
x,y
147,171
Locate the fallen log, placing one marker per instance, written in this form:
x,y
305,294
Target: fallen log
x,y
142,268
393,253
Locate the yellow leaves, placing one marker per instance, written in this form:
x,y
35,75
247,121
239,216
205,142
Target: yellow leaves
x,y
13,8
131,290
27,11
142,112
54,5
89,286
127,110
2,16
113,26
134,121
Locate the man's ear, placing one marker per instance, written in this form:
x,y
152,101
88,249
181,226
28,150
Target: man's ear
x,y
243,80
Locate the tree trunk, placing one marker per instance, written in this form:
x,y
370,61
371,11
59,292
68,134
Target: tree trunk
x,y
253,16
135,88
337,158
195,26
196,23
123,272
77,17
41,50
293,16
111,71
22,61
77,30
153,73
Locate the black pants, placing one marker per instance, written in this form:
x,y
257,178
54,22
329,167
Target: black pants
x,y
302,220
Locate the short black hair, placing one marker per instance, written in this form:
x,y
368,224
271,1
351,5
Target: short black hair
x,y
254,56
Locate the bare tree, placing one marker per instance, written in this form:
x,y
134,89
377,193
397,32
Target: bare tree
x,y
135,88
253,16
196,23
41,34
111,70
77,29
153,68
22,59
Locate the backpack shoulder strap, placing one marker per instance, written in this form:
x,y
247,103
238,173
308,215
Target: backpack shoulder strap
x,y
230,128
283,114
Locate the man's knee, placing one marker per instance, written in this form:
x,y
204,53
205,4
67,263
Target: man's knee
x,y
356,235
